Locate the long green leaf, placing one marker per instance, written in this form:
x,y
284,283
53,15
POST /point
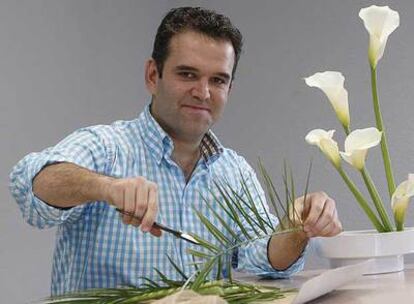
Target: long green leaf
x,y
270,192
269,221
231,210
253,221
219,269
240,210
178,269
206,244
273,192
216,232
199,254
165,280
252,206
223,222
202,274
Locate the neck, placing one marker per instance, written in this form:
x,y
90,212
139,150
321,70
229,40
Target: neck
x,y
186,154
186,149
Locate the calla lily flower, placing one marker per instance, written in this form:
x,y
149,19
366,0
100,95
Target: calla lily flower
x,y
332,84
380,22
323,139
357,144
400,199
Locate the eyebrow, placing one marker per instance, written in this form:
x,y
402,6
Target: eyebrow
x,y
192,69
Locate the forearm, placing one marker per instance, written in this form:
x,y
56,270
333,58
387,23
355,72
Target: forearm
x,y
67,185
284,249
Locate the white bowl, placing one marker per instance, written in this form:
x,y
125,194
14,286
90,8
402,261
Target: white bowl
x,y
351,247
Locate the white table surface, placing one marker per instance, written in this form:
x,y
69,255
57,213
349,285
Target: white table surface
x,y
392,288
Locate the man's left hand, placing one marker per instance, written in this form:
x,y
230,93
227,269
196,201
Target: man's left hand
x,y
319,215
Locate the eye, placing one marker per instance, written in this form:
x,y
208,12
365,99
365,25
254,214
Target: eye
x,y
187,75
219,81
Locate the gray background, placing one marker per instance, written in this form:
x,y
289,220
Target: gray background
x,y
67,64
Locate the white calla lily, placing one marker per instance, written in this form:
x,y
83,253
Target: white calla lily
x,y
357,144
332,84
380,22
323,139
400,199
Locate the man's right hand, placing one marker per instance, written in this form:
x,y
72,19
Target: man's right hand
x,y
66,185
137,196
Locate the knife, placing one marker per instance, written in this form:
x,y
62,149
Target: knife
x,y
176,233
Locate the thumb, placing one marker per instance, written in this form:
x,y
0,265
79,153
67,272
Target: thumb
x,y
296,211
306,209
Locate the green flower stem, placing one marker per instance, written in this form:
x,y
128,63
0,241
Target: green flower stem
x,y
361,200
377,200
384,145
346,129
399,218
400,226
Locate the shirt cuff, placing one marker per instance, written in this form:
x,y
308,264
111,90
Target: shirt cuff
x,y
296,266
254,259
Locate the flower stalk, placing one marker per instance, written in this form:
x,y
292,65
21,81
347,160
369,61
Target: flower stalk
x,y
380,126
377,200
361,200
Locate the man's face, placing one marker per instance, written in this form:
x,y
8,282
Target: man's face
x,y
195,84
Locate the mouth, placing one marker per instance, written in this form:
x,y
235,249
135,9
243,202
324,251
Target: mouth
x,y
197,108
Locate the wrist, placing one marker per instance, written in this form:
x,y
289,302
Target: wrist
x,y
285,249
97,189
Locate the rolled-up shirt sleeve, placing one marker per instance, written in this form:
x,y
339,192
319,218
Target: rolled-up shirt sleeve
x,y
85,147
253,258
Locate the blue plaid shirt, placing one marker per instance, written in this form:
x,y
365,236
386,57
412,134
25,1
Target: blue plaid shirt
x,y
94,249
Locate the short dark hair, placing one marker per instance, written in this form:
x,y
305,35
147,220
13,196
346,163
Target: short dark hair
x,y
198,19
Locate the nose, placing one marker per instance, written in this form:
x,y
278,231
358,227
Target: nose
x,y
201,90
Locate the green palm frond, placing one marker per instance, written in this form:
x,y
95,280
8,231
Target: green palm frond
x,y
242,211
235,292
236,204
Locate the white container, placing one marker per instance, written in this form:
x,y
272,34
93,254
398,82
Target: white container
x,y
350,247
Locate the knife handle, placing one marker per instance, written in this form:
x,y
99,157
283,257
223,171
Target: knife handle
x,y
156,225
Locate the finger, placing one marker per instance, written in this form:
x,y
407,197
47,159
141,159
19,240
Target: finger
x,y
129,203
333,228
316,204
305,201
156,232
327,230
152,209
141,200
297,212
135,221
338,222
326,217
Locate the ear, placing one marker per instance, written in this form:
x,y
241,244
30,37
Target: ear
x,y
151,76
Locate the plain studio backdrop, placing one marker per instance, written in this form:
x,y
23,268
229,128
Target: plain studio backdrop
x,y
68,64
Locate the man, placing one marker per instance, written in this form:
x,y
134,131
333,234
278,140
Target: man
x,y
158,166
